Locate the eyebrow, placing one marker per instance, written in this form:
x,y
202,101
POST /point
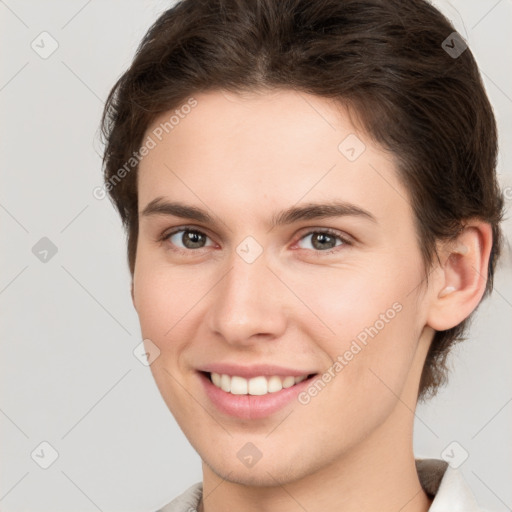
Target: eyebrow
x,y
309,211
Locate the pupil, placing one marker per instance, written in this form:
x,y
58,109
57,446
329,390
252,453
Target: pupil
x,y
192,239
322,238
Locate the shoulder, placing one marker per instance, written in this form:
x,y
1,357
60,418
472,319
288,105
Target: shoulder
x,y
187,501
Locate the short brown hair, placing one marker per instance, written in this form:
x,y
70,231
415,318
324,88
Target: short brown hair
x,y
384,59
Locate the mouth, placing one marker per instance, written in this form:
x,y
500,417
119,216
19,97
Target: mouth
x,y
255,397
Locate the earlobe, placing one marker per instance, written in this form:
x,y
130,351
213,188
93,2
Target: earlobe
x,y
462,276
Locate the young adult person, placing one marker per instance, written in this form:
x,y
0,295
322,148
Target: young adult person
x,y
312,210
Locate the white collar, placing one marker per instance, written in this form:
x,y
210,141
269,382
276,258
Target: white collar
x,y
447,485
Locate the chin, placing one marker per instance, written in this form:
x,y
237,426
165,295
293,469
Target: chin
x,y
268,473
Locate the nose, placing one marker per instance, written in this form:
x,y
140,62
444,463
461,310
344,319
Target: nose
x,y
248,304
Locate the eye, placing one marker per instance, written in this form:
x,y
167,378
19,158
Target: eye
x,y
186,239
323,240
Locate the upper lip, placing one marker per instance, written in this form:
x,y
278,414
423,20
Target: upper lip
x,y
266,370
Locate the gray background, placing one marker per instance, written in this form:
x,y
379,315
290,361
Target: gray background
x,y
68,328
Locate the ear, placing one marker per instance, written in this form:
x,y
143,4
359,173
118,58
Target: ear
x,y
462,276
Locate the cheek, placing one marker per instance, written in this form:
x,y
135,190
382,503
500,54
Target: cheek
x,y
163,300
165,305
369,372
374,322
347,302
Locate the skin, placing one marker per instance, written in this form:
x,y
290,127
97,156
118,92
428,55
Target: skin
x,y
243,158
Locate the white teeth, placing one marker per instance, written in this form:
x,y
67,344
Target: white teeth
x,y
216,379
238,385
274,384
288,382
225,382
255,386
258,386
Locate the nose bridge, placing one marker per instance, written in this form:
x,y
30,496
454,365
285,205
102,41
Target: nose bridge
x,y
247,301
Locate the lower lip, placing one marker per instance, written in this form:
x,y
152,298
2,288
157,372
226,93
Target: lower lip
x,y
251,406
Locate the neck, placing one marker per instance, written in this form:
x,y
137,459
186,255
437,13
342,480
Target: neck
x,y
377,476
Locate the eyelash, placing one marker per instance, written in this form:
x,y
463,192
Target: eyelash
x,y
345,240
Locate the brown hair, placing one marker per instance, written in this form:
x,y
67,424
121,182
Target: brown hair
x,y
385,59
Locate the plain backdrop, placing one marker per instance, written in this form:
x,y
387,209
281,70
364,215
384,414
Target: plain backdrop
x,y
69,378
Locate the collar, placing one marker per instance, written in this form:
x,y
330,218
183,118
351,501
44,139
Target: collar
x,y
446,485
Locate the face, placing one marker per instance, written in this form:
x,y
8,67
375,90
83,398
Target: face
x,y
277,246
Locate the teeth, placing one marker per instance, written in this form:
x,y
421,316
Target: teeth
x,y
225,382
216,379
238,385
288,382
274,384
255,386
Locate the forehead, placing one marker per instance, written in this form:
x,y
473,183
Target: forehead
x,y
260,149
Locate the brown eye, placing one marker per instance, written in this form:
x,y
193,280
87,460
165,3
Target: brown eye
x,y
187,239
322,240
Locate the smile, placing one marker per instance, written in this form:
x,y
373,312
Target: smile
x,y
260,385
254,397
